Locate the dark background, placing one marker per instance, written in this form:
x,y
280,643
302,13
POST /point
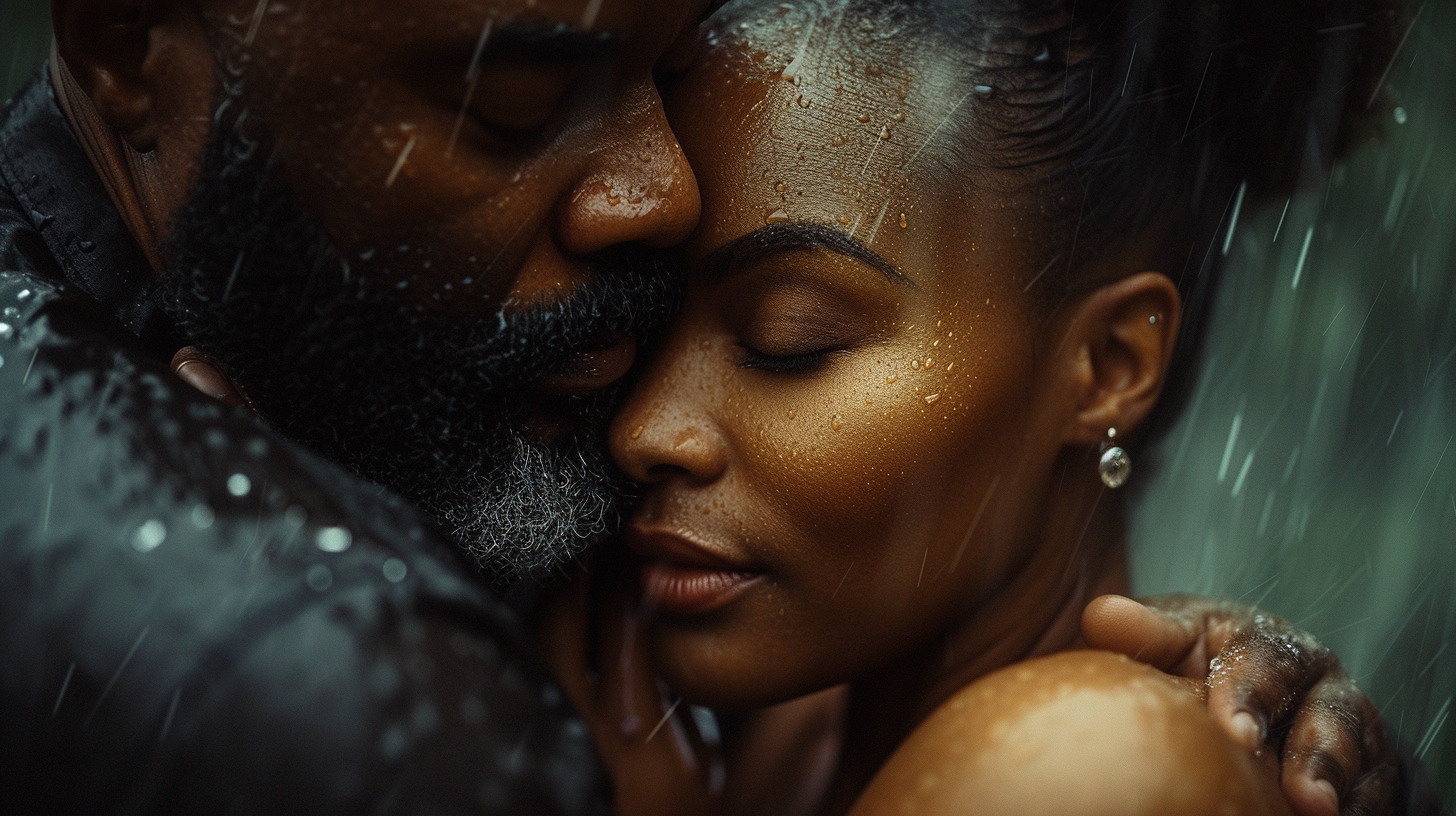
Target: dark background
x,y
1314,474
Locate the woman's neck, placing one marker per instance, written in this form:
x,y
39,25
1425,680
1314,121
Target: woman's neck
x,y
1078,555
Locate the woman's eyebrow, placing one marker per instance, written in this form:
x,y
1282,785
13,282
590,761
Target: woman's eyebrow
x,y
772,239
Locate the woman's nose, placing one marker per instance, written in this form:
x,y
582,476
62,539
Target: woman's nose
x,y
637,187
661,433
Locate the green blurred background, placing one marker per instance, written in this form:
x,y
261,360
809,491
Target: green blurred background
x,y
1314,473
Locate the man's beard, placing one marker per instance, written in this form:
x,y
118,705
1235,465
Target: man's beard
x,y
334,357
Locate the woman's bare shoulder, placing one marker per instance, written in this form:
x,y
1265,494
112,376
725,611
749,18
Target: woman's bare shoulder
x,y
1075,733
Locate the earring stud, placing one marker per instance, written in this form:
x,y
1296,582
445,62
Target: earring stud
x,y
1114,466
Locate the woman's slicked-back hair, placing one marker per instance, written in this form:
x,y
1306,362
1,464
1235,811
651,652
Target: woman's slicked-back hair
x,y
1138,118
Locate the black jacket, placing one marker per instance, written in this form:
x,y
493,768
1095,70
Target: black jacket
x,y
196,615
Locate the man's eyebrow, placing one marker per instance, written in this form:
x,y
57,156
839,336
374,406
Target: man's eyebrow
x,y
787,237
522,39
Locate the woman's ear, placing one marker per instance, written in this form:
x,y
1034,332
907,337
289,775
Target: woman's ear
x,y
1120,340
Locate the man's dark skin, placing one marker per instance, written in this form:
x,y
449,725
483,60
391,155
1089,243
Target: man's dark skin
x,y
498,184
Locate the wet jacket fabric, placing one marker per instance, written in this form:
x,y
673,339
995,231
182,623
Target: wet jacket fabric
x,y
198,616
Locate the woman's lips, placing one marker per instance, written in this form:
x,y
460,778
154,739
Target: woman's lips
x,y
685,578
590,370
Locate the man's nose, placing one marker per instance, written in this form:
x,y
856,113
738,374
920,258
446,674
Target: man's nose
x,y
637,187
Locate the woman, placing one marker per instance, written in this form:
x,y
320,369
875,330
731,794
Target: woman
x,y
936,296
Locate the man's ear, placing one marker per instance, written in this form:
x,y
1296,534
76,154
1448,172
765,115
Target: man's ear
x,y
111,49
1120,339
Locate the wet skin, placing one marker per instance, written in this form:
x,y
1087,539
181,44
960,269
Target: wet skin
x,y
487,145
866,456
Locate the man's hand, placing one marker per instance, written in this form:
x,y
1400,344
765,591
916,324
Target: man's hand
x,y
1271,688
658,760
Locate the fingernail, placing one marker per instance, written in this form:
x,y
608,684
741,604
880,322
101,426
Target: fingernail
x,y
1246,727
208,380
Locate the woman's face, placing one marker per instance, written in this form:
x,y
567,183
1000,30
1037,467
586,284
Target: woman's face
x,y
835,429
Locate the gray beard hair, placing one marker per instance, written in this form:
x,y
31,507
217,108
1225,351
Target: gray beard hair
x,y
535,509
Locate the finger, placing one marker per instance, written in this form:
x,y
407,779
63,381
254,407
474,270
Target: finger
x,y
1339,747
195,369
1125,626
1257,680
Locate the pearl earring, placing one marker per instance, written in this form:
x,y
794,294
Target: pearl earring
x,y
1114,466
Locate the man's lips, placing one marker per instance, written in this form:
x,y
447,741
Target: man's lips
x,y
590,370
683,577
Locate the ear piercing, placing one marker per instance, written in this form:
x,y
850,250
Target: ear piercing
x,y
1114,466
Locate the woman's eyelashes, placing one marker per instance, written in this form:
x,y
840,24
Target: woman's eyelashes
x,y
797,362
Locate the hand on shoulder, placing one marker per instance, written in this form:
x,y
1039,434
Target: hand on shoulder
x,y
1081,733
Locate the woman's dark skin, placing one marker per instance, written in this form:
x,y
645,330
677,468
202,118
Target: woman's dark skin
x,y
873,460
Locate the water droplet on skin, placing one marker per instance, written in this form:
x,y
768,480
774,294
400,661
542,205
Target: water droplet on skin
x,y
6,331
903,223
932,398
897,116
928,361
239,485
637,432
780,187
984,90
892,378
836,141
863,117
1400,116
394,570
885,132
149,536
835,422
791,415
333,539
949,366
936,344
776,217
24,294
915,364
803,103
843,222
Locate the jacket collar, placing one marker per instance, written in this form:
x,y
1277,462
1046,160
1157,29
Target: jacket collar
x,y
48,173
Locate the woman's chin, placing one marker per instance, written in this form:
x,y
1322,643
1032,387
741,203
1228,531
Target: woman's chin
x,y
725,673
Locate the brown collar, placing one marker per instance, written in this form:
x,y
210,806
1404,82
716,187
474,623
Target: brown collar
x,y
130,177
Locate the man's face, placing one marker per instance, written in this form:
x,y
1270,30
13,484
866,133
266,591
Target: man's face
x,y
424,235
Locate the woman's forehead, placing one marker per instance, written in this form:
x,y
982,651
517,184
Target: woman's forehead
x,y
819,113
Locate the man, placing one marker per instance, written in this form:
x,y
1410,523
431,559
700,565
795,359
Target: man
x,y
419,240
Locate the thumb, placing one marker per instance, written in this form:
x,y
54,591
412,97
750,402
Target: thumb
x,y
1122,625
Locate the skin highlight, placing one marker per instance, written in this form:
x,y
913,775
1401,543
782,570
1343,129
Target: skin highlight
x,y
869,460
